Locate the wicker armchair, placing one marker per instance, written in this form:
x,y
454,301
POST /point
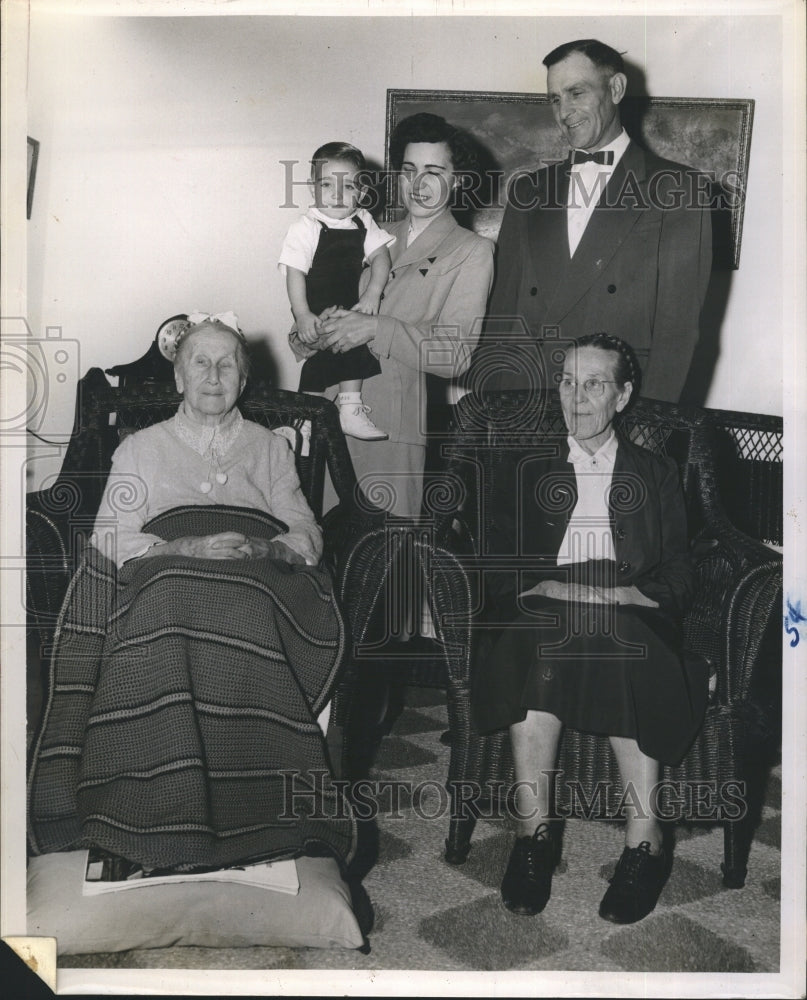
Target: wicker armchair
x,y
738,588
60,518
748,452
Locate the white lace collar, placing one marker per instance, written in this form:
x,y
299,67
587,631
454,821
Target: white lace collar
x,y
209,442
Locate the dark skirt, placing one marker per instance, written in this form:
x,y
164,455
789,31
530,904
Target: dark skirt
x,y
607,669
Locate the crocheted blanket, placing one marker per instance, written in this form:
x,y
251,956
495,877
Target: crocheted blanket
x,y
181,723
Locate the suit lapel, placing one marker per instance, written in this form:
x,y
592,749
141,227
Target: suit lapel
x,y
608,227
549,243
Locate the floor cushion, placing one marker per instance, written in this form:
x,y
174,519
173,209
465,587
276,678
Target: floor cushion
x,y
202,914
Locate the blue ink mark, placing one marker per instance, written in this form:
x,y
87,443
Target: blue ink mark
x,y
794,615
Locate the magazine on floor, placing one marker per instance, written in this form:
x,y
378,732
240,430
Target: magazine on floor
x,y
107,873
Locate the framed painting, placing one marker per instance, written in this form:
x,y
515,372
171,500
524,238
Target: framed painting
x,y
516,133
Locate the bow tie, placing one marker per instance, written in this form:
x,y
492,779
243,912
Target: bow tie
x,y
604,156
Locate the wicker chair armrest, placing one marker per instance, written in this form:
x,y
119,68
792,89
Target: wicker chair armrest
x,y
752,608
44,511
344,527
366,566
50,558
738,590
745,552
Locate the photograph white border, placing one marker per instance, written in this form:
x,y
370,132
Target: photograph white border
x,y
789,981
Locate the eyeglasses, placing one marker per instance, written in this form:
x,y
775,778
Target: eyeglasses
x,y
591,387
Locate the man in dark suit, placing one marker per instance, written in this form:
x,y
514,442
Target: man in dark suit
x,y
613,239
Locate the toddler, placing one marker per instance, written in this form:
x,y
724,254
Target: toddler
x,y
323,256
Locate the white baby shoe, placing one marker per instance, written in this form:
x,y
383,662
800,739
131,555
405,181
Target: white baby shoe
x,y
354,420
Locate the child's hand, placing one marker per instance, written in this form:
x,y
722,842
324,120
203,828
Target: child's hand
x,y
308,328
367,304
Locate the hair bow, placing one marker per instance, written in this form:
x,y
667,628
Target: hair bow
x,y
227,319
174,330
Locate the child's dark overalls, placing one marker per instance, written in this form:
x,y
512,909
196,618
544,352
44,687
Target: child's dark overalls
x,y
333,280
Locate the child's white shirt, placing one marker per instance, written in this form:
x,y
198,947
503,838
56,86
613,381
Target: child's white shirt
x,y
301,240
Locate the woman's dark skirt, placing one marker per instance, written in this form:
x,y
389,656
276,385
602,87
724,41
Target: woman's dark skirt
x,y
608,669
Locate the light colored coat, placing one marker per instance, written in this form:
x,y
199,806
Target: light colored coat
x,y
430,320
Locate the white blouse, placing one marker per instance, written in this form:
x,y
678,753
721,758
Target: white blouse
x,y
588,534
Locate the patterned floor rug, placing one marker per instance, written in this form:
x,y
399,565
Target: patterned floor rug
x,y
431,916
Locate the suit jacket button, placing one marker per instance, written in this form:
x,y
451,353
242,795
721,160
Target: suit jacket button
x,y
620,534
623,566
612,289
381,296
391,275
533,290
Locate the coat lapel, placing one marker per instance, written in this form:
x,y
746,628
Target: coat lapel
x,y
608,227
624,495
549,499
549,243
425,246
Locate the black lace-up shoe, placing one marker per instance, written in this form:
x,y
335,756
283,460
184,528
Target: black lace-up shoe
x,y
527,881
635,886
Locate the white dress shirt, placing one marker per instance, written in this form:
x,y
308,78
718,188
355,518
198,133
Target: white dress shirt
x,y
586,185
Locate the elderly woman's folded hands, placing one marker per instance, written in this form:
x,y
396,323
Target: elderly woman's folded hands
x,y
260,548
561,591
226,545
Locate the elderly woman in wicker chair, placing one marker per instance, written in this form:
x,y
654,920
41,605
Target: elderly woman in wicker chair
x,y
207,454
595,641
198,644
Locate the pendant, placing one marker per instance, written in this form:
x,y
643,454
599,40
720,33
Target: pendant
x,y
221,478
206,487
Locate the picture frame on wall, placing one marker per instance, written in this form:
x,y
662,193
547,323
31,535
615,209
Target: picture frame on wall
x,y
516,133
33,157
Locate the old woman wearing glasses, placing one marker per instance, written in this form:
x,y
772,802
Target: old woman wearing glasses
x,y
596,640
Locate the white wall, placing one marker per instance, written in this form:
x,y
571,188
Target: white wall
x,y
160,182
